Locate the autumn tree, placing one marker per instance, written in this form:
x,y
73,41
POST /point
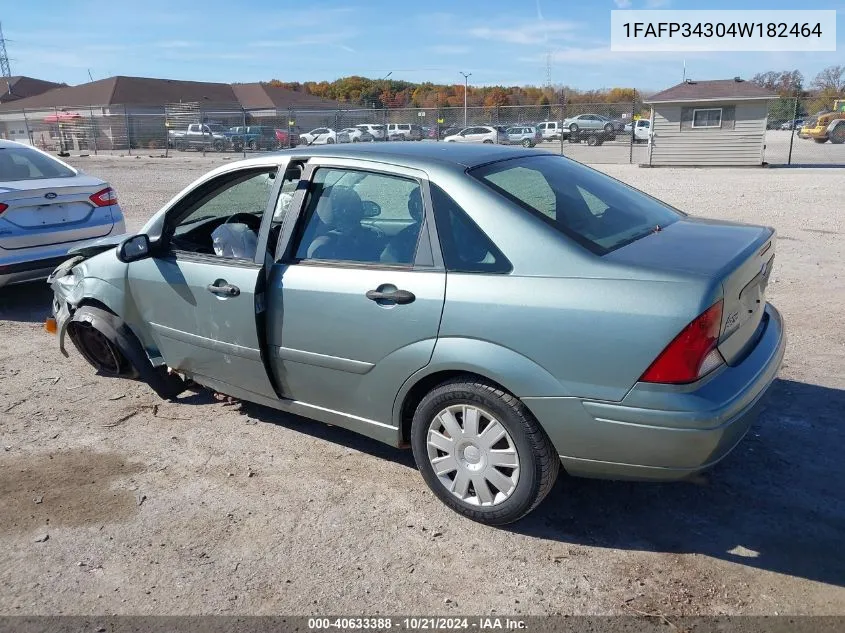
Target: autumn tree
x,y
830,79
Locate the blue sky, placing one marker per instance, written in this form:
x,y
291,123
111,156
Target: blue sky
x,y
498,41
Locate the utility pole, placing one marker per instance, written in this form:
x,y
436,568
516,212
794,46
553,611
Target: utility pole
x,y
4,58
466,87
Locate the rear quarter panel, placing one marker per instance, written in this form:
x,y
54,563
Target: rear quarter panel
x,y
585,337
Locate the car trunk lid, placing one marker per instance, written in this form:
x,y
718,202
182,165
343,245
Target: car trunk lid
x,y
739,257
52,211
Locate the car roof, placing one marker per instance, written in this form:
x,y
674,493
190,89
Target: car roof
x,y
4,144
419,155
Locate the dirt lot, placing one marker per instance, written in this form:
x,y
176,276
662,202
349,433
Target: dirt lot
x,y
201,507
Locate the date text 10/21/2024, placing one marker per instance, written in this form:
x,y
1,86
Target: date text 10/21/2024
x,y
420,623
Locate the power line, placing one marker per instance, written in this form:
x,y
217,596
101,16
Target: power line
x,y
5,70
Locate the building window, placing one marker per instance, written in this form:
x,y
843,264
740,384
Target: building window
x,y
711,117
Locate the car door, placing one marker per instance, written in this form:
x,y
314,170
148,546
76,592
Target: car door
x,y
202,304
352,315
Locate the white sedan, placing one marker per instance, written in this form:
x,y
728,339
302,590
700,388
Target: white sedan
x,y
354,135
318,136
47,208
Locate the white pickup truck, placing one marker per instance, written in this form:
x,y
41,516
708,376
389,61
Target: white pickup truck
x,y
199,136
642,130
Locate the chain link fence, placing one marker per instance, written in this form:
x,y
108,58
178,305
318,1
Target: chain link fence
x,y
186,127
807,131
587,132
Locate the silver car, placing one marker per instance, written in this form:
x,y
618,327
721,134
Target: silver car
x,y
478,134
503,311
46,208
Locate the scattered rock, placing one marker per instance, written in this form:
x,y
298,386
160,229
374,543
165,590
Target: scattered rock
x,y
140,498
436,534
42,538
39,499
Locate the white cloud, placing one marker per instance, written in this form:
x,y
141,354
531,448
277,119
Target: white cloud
x,y
623,4
531,33
449,49
306,39
174,44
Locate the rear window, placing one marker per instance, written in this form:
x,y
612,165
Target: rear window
x,y
22,163
595,210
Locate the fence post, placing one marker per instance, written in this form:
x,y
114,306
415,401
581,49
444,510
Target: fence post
x,y
633,130
93,129
562,113
792,131
290,129
128,131
26,127
243,118
202,130
166,133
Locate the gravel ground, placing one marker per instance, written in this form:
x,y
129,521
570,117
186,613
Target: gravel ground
x,y
152,507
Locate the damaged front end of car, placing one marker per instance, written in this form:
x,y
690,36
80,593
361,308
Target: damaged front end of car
x,y
87,309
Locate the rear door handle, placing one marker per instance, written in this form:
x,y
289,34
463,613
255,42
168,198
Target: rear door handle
x,y
394,296
224,290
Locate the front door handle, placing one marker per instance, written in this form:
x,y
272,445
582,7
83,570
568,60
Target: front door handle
x,y
394,296
224,289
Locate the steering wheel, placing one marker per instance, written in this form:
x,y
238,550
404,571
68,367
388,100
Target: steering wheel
x,y
251,220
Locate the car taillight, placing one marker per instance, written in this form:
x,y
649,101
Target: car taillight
x,y
3,208
692,354
104,198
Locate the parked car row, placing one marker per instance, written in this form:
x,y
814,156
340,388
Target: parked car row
x,y
219,138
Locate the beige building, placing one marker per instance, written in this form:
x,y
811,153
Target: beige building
x,y
720,122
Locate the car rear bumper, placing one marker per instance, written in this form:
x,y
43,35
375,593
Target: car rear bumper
x,y
37,262
665,432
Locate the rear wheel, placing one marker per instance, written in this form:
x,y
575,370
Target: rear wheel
x,y
218,145
481,451
820,140
573,128
527,143
253,145
608,128
488,141
593,140
330,141
837,136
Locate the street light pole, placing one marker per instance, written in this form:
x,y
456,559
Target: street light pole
x,y
466,86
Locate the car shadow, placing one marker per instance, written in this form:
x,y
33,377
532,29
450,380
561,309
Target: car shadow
x,y
26,303
334,434
776,503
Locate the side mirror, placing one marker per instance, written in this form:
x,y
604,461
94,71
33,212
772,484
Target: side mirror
x,y
135,248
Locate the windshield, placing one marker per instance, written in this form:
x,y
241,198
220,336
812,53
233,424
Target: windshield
x,y
595,210
23,163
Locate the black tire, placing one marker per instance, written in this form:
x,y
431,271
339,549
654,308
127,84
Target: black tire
x,y
218,145
608,128
527,143
252,145
487,141
837,137
539,463
329,141
820,140
592,140
180,146
573,128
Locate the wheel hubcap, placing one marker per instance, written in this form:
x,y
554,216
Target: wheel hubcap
x,y
473,456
